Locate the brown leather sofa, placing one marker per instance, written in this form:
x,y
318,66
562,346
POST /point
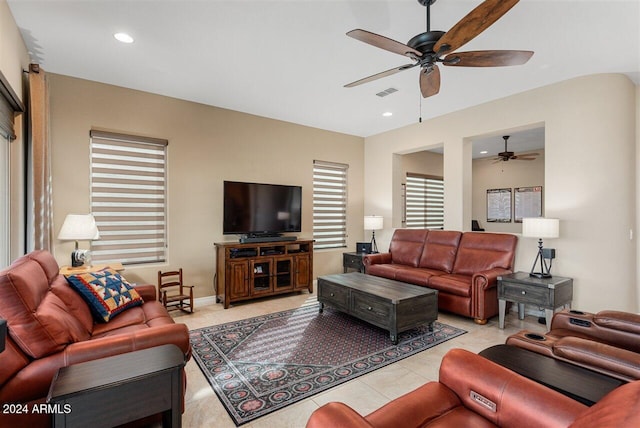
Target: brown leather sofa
x,y
463,267
475,392
50,326
607,342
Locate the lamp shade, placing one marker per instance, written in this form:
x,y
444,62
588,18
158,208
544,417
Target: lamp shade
x,y
78,227
539,227
373,222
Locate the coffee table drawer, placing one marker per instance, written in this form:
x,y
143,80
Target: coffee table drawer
x,y
524,293
371,309
335,295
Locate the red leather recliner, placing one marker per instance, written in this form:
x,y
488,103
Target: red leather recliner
x,y
607,342
475,392
50,326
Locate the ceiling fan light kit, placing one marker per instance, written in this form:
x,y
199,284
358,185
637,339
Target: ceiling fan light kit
x,y
431,47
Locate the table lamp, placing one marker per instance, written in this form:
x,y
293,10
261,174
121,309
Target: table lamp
x,y
77,227
373,223
539,227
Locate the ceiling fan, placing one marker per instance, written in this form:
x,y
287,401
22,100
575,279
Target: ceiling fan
x,y
507,155
431,47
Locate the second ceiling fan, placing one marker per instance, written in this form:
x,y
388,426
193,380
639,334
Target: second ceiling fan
x,y
431,47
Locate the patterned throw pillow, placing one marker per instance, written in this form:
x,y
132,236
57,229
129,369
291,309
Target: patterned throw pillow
x,y
106,292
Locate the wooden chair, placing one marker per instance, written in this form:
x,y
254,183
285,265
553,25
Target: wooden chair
x,y
173,293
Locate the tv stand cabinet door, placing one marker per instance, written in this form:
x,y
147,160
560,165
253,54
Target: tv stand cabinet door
x,y
303,273
237,283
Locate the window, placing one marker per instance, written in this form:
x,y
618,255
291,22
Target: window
x,y
329,204
424,202
5,199
128,198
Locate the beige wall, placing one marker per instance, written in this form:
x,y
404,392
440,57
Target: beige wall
x,y
206,146
489,174
590,140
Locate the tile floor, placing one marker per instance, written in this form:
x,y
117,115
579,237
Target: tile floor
x,y
364,394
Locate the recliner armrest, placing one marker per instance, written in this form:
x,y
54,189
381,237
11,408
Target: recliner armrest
x,y
503,396
601,355
337,415
617,320
147,292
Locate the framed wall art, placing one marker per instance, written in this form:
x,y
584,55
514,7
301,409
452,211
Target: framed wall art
x,y
499,205
527,202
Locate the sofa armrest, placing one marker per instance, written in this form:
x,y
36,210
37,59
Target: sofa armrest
x,y
376,259
505,398
488,278
147,292
336,414
88,350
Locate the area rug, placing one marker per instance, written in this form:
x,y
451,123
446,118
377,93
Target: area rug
x,y
262,364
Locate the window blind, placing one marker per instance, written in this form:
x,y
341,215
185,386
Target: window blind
x,y
329,204
128,198
424,202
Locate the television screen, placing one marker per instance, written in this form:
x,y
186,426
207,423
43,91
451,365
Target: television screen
x,y
254,208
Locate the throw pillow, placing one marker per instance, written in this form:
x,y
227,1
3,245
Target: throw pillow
x,y
106,292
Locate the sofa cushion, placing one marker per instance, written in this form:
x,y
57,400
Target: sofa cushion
x,y
40,322
417,276
406,246
478,252
106,292
387,270
459,285
618,320
440,250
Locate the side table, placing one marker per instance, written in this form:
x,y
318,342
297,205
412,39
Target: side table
x,y
123,388
353,261
546,293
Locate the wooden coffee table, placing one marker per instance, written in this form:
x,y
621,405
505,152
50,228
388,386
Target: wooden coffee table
x,y
393,305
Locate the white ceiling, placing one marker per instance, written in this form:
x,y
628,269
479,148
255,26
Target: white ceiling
x,y
289,60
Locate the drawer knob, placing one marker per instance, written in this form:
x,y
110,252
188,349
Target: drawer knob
x,y
369,308
524,292
332,295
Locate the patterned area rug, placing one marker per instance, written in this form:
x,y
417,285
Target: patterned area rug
x,y
262,364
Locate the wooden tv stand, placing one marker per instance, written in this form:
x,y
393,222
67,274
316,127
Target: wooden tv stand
x,y
251,270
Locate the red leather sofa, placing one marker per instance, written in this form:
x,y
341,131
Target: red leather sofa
x,y
475,392
463,267
50,326
607,342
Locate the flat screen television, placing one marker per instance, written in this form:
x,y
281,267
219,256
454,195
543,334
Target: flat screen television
x,y
257,209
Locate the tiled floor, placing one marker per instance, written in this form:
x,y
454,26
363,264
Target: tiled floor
x,y
364,394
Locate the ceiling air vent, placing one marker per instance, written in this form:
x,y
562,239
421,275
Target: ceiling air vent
x,y
387,92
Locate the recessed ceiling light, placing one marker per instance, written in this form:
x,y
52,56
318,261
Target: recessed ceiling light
x,y
484,152
123,37
387,114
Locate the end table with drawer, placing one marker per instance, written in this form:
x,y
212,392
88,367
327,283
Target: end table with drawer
x,y
545,293
353,261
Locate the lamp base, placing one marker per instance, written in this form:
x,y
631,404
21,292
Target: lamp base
x,y
540,275
79,257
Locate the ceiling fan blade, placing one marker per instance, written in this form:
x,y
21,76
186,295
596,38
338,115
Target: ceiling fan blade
x,y
527,154
383,42
380,75
487,58
521,158
430,81
476,21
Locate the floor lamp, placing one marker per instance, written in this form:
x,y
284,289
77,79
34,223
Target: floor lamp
x,y
373,223
539,227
